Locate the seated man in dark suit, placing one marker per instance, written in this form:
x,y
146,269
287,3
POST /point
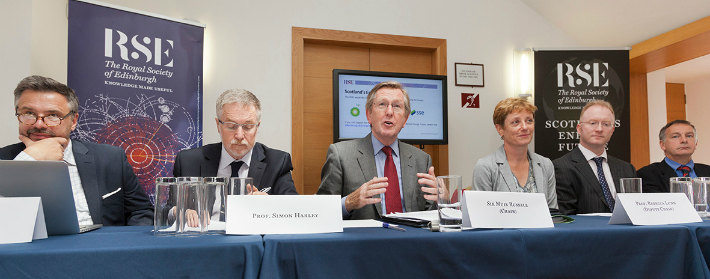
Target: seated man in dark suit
x,y
678,141
239,155
586,176
106,190
379,174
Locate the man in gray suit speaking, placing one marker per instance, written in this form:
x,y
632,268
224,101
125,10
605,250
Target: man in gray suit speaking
x,y
379,174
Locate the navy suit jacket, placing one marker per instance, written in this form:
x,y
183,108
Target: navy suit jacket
x,y
269,167
103,170
656,176
578,189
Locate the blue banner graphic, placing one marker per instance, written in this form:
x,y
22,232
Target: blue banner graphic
x,y
139,83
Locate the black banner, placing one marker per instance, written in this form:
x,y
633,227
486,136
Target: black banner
x,y
565,80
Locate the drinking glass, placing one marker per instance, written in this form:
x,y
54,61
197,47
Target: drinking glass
x,y
630,185
682,185
700,195
240,185
449,202
164,216
214,199
191,221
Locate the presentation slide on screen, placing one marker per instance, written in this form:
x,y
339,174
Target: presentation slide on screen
x,y
425,118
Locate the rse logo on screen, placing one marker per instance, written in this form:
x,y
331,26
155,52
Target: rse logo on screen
x,y
592,73
348,81
156,55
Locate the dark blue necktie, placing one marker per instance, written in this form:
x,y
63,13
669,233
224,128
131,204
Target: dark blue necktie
x,y
236,165
605,186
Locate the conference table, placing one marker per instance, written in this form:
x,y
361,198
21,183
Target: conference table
x,y
133,252
701,231
585,248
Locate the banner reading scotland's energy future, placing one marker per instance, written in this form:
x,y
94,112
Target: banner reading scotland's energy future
x,y
139,82
565,80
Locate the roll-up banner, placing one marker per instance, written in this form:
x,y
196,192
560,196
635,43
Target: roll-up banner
x,y
139,80
565,80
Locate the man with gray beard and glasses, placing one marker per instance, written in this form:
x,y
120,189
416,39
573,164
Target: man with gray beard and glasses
x,y
239,155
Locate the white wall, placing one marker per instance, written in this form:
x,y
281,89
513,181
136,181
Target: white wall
x,y
248,45
14,60
697,109
657,116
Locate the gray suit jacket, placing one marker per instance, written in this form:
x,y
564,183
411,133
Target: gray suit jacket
x,y
492,173
350,164
578,189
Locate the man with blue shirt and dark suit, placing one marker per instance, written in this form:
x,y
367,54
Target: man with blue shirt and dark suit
x,y
587,177
379,174
678,140
105,188
238,120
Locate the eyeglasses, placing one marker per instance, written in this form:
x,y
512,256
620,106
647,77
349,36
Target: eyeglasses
x,y
594,124
51,120
232,127
397,107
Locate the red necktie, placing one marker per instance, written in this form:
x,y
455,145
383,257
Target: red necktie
x,y
685,170
393,201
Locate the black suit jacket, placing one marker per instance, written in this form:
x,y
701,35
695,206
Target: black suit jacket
x,y
578,189
269,167
656,176
111,187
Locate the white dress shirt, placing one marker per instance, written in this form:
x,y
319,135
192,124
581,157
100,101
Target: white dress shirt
x,y
225,170
589,155
82,208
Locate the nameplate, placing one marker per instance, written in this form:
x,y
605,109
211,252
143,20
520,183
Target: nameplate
x,y
485,209
287,214
653,209
22,220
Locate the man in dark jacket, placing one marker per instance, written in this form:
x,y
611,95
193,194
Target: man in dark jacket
x,y
106,190
678,139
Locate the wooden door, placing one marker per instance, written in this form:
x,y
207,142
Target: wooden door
x,y
675,101
316,53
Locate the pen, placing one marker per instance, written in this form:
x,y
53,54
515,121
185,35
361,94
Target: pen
x,y
393,227
266,189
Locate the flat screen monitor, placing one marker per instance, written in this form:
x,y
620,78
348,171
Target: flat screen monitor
x,y
427,122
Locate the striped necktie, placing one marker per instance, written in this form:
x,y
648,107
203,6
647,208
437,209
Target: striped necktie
x,y
605,186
